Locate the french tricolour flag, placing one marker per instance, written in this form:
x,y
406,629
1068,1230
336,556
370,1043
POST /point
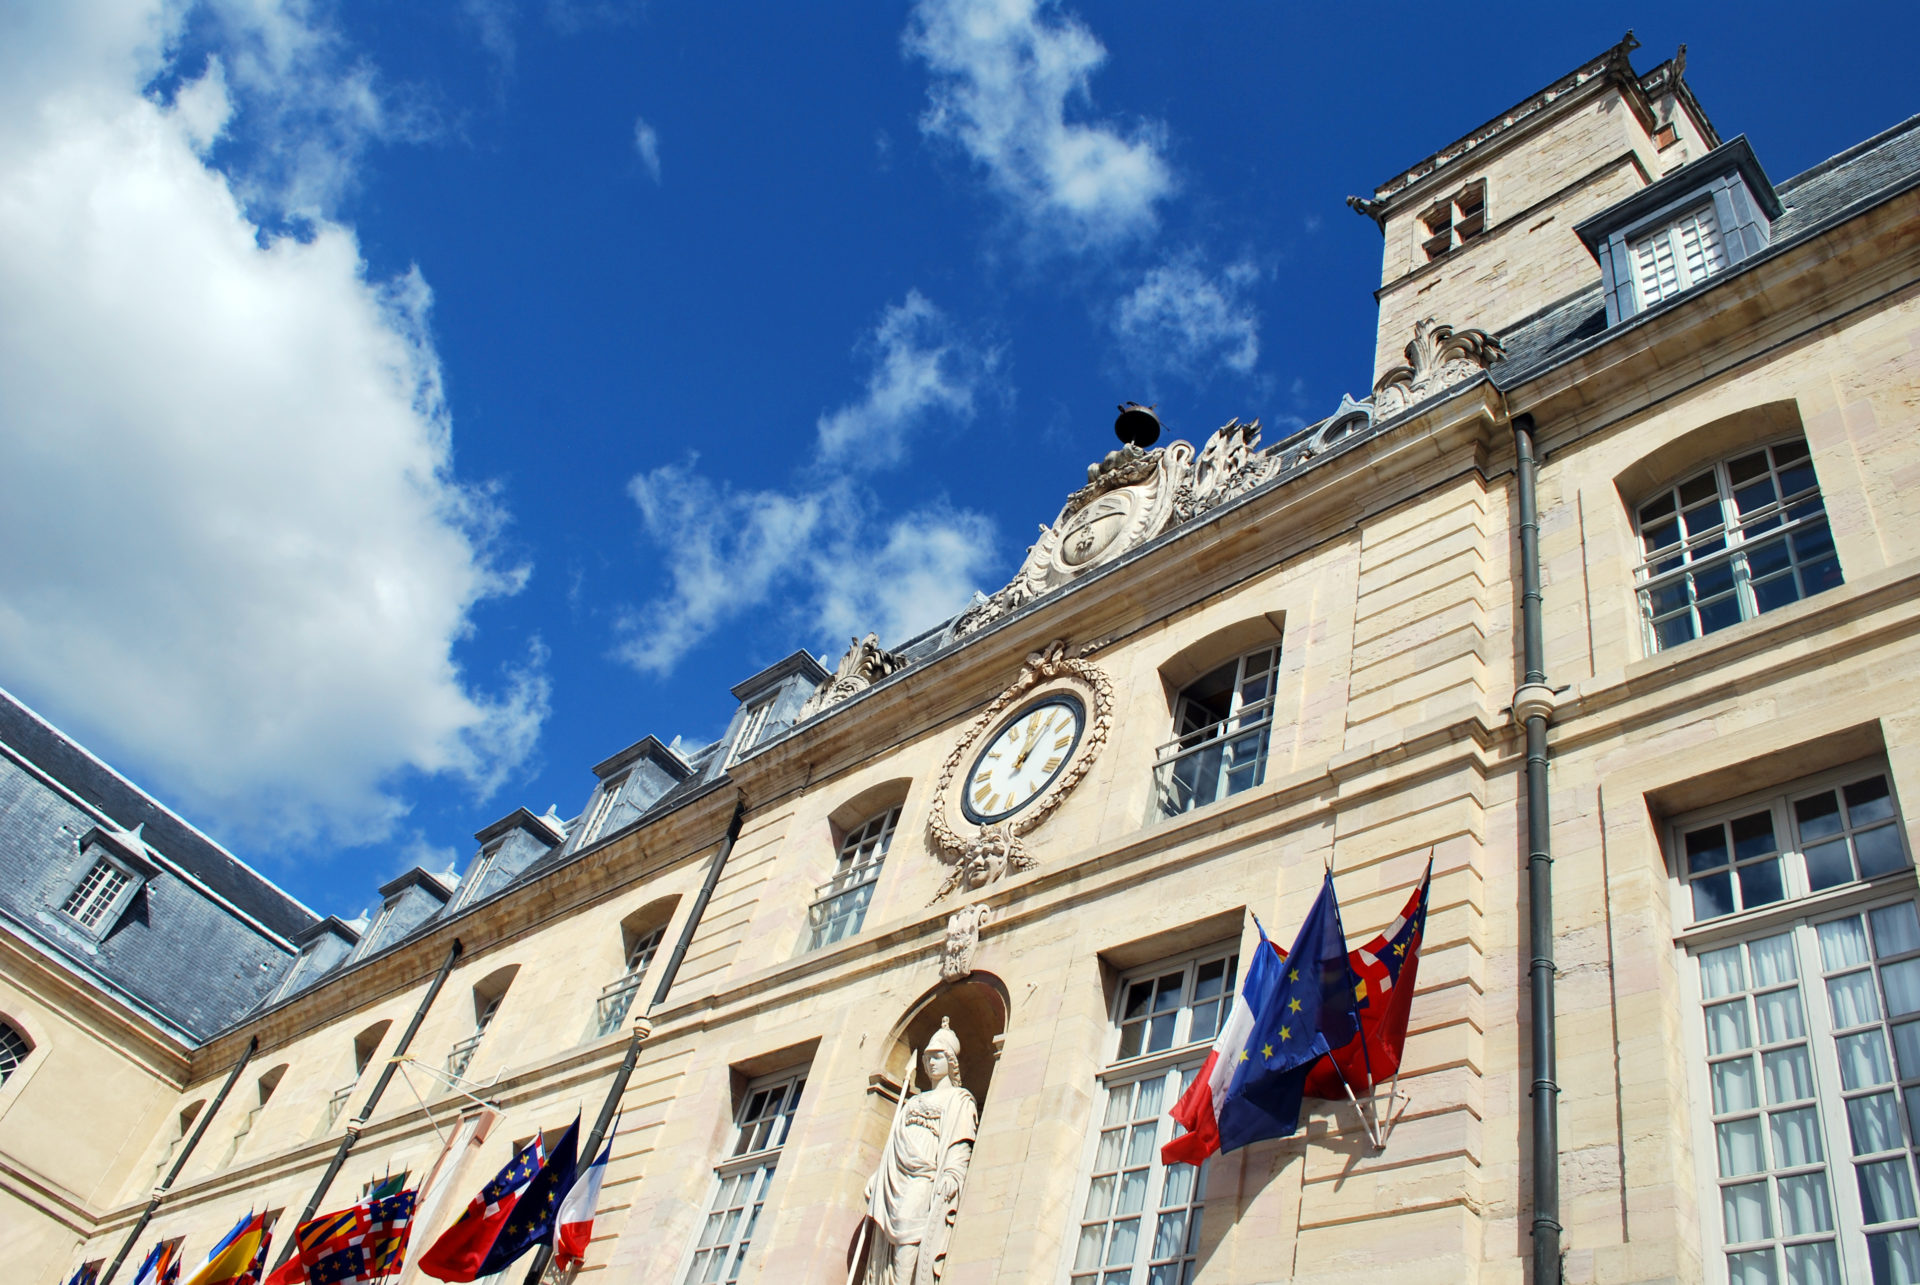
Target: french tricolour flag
x,y
573,1225
1199,1107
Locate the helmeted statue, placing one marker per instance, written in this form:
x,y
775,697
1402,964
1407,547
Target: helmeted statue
x,y
914,1193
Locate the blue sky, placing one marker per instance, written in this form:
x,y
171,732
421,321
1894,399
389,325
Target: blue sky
x,y
403,407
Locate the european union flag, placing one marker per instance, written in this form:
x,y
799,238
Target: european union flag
x,y
532,1218
1307,1015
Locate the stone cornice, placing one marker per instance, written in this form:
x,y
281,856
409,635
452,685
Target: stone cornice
x,y
1281,520
90,1005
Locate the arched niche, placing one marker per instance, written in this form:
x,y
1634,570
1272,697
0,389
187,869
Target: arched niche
x,y
977,1006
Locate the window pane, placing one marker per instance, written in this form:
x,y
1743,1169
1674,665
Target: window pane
x,y
1712,896
1819,816
1906,1049
1804,1206
1828,865
1753,836
1780,1017
1863,1060
1739,1145
1733,1086
1895,1257
1886,1192
1706,849
1843,944
1746,1212
1815,1264
1789,1075
1853,1000
1125,1235
1773,960
1796,1137
1879,851
1902,983
1874,1123
1721,972
1754,1267
1868,801
1760,884
1727,1028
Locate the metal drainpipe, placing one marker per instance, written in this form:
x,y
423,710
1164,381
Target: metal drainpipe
x,y
1533,706
359,1122
643,1025
206,1118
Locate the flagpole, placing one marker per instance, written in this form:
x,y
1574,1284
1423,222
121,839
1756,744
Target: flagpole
x,y
206,1118
906,1091
359,1122
643,1025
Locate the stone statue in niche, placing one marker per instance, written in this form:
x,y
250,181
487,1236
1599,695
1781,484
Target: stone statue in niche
x,y
913,1195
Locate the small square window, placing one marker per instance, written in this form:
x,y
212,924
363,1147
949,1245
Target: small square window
x,y
1449,224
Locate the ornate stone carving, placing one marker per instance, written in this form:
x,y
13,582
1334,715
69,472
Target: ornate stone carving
x,y
914,1195
865,664
1438,358
1228,466
963,938
978,855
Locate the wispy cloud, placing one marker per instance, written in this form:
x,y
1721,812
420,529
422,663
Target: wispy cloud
x,y
241,559
1009,79
826,546
646,142
1184,320
492,22
920,368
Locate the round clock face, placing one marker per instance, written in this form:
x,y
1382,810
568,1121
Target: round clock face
x,y
1022,759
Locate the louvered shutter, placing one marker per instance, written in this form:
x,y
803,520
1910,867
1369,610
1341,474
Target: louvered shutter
x,y
1655,273
1700,250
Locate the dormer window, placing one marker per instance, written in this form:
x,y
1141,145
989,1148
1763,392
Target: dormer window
x,y
96,894
752,729
1451,223
602,804
1678,255
1674,235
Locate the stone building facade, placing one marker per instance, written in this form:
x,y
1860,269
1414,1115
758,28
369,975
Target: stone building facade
x,y
1239,663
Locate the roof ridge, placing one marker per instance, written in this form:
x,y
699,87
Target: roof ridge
x,y
152,799
1852,153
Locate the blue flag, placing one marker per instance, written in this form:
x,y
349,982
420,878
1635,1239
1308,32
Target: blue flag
x,y
1308,1012
532,1218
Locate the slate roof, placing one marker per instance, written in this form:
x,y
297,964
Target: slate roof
x,y
1828,194
54,753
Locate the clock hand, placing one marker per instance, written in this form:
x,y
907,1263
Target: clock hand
x,y
1033,740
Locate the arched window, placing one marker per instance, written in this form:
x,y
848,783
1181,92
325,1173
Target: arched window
x,y
840,906
640,935
13,1050
1744,535
263,1090
486,1006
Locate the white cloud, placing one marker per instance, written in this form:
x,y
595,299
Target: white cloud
x,y
493,22
646,141
1005,74
1184,320
825,546
919,367
237,558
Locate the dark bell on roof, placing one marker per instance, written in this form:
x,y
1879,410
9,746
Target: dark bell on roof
x,y
1137,425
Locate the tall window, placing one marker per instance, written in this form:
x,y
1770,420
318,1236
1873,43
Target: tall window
x,y
1140,1222
460,1057
13,1050
602,804
752,729
1743,536
1223,724
1808,1089
96,894
616,999
184,1122
470,886
760,1130
840,906
1678,256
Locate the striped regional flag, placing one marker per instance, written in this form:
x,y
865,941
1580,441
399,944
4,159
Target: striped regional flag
x,y
573,1225
1199,1107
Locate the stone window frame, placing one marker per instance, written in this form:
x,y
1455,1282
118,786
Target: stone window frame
x,y
1834,1049
1452,221
753,725
604,798
1168,1199
92,914
1194,746
1796,522
861,856
489,993
743,1177
115,853
16,1047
